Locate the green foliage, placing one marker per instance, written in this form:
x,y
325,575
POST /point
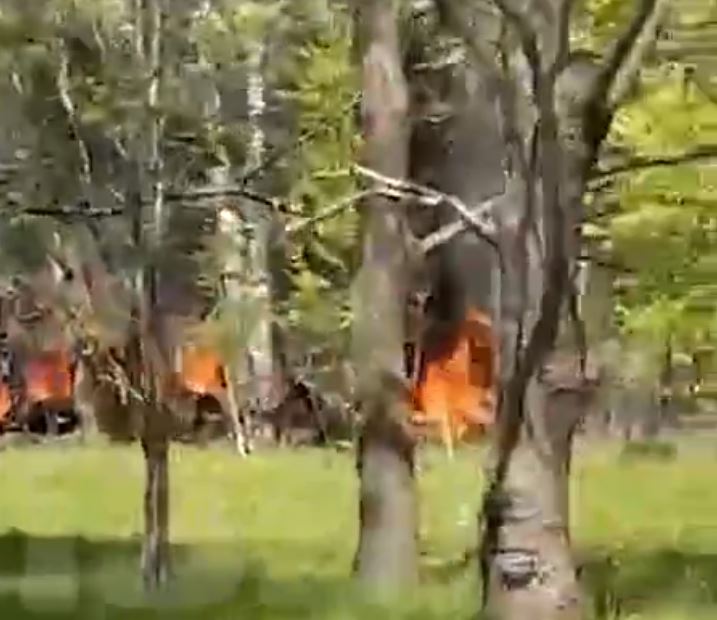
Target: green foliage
x,y
224,35
665,231
322,84
23,241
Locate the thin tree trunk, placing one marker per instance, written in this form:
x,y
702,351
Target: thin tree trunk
x,y
155,546
236,370
83,396
146,342
387,555
666,396
233,409
260,344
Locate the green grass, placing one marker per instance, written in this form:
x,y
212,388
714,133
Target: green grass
x,y
273,536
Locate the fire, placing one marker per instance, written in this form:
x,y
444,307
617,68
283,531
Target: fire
x,y
201,371
5,401
455,388
48,377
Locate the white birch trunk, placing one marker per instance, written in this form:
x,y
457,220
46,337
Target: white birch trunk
x,y
260,339
229,226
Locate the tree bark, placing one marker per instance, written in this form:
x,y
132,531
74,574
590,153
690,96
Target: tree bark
x,y
556,108
155,546
261,338
529,569
145,346
83,396
387,554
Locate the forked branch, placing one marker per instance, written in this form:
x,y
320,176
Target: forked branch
x,y
477,220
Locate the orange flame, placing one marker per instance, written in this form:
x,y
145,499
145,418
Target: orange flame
x,y
457,386
48,377
5,401
201,371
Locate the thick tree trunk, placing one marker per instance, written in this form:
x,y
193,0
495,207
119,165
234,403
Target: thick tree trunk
x,y
155,545
532,576
387,552
387,555
528,564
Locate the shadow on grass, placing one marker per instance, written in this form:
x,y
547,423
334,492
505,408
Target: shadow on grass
x,y
73,578
628,581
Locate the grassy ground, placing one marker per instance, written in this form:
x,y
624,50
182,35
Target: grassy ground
x,y
272,537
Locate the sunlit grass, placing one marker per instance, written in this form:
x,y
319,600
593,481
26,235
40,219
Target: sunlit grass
x,y
273,536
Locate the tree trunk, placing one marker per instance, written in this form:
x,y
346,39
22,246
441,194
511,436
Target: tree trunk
x,y
235,369
667,386
261,337
231,405
528,563
147,343
387,555
155,546
554,109
532,576
83,394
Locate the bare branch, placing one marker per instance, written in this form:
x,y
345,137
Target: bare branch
x,y
62,83
563,32
231,191
480,222
331,211
448,232
75,211
627,53
702,153
630,68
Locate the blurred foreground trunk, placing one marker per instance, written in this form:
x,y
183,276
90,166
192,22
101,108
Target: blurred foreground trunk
x,y
387,555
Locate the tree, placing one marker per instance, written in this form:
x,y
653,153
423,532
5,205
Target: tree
x,y
111,167
103,83
555,109
387,554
